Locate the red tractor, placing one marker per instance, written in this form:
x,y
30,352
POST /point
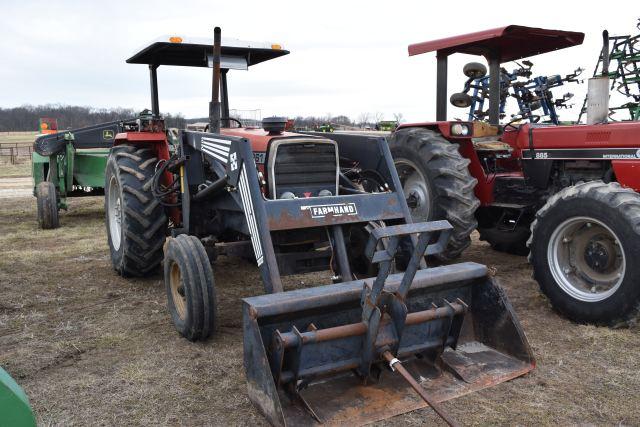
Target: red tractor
x,y
567,194
298,203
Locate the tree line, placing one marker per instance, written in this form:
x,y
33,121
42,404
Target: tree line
x,y
25,118
363,120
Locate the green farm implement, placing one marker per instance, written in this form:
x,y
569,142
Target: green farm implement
x,y
387,125
72,164
14,404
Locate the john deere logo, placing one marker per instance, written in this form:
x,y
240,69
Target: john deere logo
x,y
107,134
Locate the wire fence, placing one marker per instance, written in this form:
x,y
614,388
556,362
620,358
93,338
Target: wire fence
x,y
13,150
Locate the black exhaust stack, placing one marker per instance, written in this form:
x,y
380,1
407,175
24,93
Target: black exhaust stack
x,y
214,105
605,53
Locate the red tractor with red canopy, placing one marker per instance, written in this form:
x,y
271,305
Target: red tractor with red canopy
x,y
567,194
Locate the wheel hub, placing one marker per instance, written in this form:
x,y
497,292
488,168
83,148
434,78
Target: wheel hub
x,y
177,290
598,255
586,259
415,189
114,207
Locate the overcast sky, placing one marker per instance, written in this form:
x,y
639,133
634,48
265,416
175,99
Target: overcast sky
x,y
346,57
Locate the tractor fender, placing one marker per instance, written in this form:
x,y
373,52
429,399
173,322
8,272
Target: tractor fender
x,y
627,173
443,128
157,141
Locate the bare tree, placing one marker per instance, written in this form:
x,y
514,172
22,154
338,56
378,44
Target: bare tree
x,y
377,117
399,117
363,119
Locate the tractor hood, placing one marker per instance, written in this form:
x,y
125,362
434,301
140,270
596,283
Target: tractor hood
x,y
259,138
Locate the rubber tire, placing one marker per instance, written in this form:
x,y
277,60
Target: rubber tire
x,y
144,222
47,202
449,180
199,287
619,209
510,242
461,100
474,70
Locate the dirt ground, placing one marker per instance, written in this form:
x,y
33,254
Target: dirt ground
x,y
92,348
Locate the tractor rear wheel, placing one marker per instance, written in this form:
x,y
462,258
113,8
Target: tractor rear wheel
x,y
584,245
190,287
136,221
47,201
437,183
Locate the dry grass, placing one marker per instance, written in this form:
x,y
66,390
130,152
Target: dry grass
x,y
92,348
21,138
22,167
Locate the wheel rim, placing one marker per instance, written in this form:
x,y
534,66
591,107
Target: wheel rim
x,y
415,189
586,259
177,290
115,213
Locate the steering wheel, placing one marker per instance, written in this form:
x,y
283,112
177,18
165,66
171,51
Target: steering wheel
x,y
231,119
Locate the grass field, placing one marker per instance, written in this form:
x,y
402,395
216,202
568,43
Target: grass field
x,y
92,348
20,138
22,167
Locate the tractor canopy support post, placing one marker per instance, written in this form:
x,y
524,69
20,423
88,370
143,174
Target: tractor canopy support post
x,y
494,88
224,97
441,87
214,106
155,104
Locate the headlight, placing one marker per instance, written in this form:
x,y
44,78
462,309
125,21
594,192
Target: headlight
x,y
325,193
460,129
288,195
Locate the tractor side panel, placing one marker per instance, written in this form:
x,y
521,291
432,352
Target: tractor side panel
x,y
601,137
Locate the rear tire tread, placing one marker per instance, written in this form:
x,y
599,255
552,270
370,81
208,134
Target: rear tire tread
x,y
452,183
625,204
144,220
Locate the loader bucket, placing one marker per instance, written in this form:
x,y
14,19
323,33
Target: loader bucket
x,y
316,355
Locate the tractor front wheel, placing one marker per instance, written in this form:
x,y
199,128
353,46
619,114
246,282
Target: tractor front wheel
x,y
47,205
584,245
437,183
190,287
512,242
136,221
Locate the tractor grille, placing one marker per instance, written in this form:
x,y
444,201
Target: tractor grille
x,y
304,168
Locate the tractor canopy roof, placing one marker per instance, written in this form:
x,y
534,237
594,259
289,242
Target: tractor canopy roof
x,y
505,43
198,52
